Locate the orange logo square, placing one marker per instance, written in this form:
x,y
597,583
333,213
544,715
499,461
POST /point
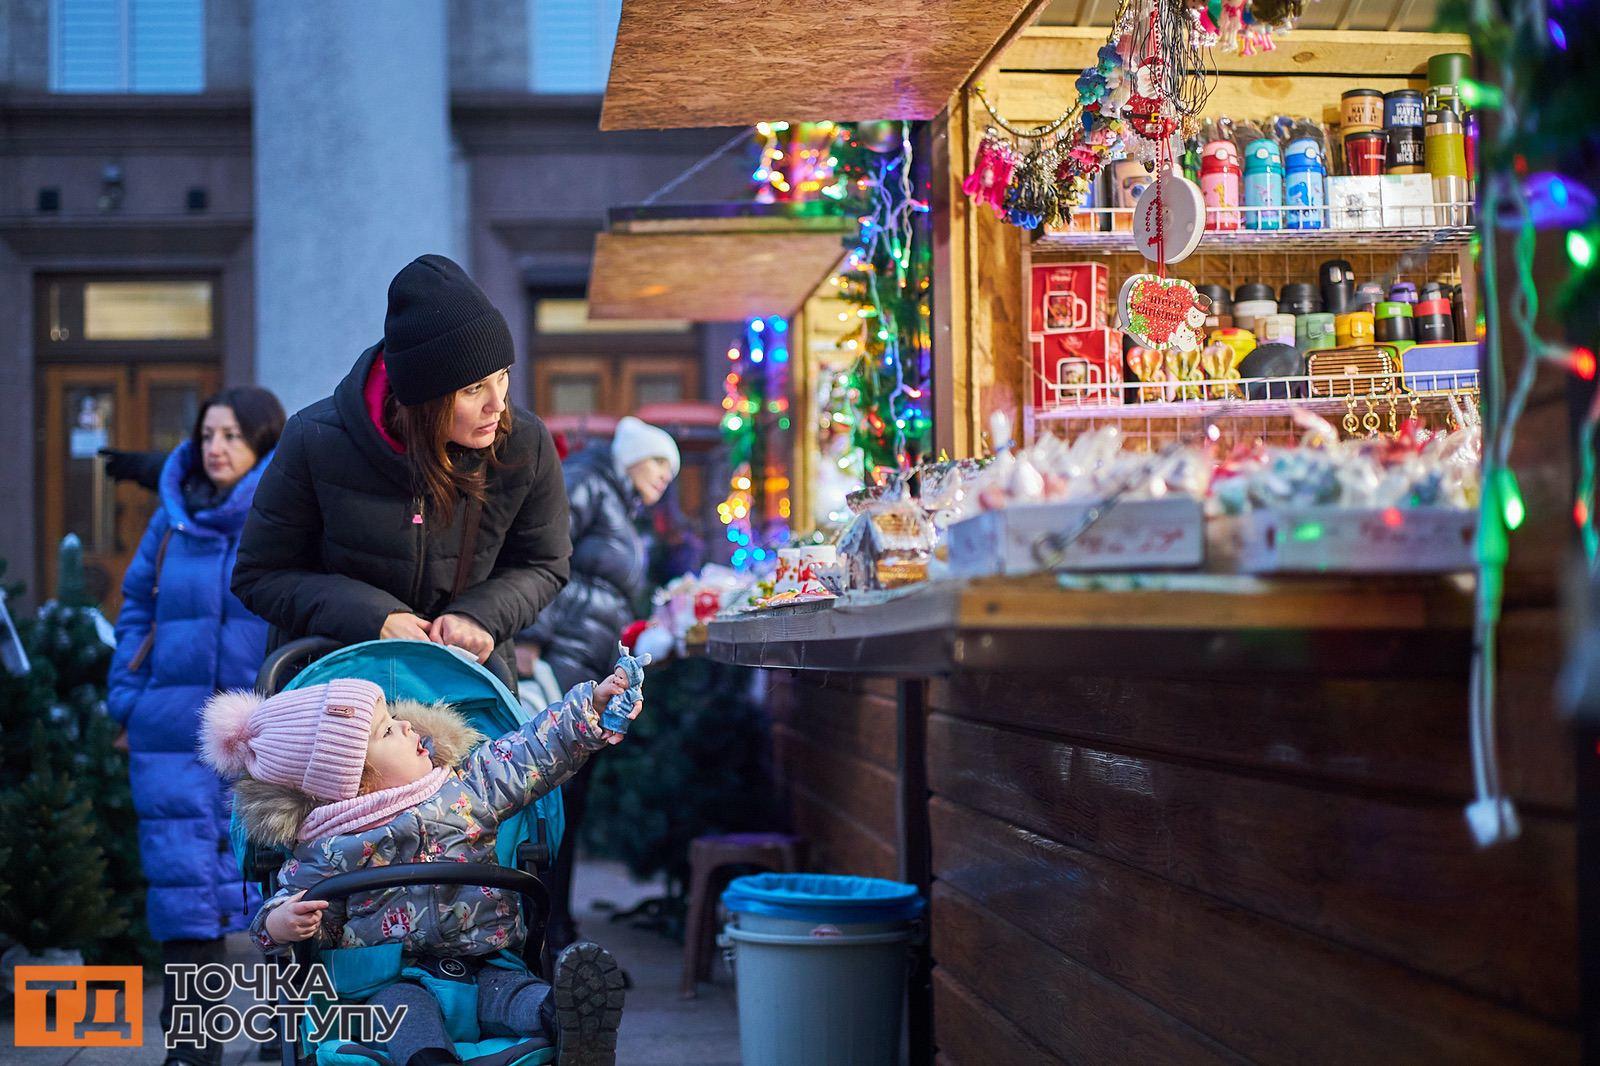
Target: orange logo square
x,y
80,1006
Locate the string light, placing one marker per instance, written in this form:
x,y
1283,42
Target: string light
x,y
886,276
1580,249
756,521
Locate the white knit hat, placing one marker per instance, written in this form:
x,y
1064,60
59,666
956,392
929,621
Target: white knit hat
x,y
635,441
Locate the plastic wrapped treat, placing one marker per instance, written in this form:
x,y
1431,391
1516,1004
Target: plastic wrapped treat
x,y
887,545
615,716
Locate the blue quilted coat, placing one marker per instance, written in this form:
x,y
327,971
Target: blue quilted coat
x,y
205,640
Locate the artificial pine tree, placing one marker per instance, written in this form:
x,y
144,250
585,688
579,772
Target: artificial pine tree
x,y
53,723
56,870
693,765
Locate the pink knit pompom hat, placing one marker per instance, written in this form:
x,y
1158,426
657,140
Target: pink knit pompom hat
x,y
313,739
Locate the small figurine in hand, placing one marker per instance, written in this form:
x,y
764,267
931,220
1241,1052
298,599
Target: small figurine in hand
x,y
615,716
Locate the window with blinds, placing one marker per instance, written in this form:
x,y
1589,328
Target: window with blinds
x,y
569,46
122,46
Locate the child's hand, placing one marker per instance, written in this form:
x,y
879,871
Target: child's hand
x,y
611,686
292,920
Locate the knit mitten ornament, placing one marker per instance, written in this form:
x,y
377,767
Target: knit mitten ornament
x,y
615,716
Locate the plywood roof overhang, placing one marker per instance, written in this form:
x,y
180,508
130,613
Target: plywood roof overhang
x,y
681,63
719,263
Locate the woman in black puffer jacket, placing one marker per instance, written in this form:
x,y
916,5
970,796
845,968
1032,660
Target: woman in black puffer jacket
x,y
607,486
415,502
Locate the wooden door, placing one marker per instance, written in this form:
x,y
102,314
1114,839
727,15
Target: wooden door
x,y
657,380
573,385
87,407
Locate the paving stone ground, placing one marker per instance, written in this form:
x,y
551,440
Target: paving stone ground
x,y
658,1028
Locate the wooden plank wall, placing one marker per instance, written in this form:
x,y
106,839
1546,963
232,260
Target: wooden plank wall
x,y
1244,870
834,758
1152,870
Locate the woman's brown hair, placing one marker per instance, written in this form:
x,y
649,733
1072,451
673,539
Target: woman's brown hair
x,y
437,472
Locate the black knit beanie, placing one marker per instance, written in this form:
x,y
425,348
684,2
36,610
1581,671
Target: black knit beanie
x,y
441,333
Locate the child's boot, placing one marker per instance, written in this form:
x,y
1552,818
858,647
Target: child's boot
x,y
586,1001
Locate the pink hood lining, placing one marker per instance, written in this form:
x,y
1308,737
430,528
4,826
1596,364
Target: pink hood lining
x,y
374,392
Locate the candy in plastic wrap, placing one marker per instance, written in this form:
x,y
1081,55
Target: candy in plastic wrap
x,y
615,716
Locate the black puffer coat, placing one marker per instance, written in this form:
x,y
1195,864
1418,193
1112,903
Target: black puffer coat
x,y
579,631
333,545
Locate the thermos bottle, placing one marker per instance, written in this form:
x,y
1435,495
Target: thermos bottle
x,y
1305,183
1220,179
1394,323
1276,329
1191,160
1251,301
1465,331
1299,298
1263,184
1337,279
1433,322
1369,294
1221,316
1446,71
1314,332
1354,328
1362,109
1403,291
1447,162
1402,107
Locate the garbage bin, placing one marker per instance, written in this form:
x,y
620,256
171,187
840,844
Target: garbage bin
x,y
820,965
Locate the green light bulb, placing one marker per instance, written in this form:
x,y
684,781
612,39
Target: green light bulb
x,y
1511,506
1476,94
1580,249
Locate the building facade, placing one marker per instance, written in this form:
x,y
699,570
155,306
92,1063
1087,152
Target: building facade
x,y
196,193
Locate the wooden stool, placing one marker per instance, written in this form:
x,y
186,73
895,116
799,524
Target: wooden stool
x,y
708,856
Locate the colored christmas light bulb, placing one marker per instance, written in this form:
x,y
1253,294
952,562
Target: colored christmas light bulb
x,y
1580,249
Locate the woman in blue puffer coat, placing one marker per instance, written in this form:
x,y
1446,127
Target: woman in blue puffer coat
x,y
183,635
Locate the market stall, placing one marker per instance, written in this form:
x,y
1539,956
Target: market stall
x,y
1160,666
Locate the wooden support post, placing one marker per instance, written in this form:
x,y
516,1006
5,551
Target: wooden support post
x,y
915,851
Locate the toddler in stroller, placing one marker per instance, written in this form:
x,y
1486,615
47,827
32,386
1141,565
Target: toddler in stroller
x,y
350,782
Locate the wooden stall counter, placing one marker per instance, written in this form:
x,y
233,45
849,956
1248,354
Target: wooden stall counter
x,y
1188,818
1045,623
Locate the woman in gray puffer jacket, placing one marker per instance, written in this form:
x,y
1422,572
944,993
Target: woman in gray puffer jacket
x,y
577,634
344,780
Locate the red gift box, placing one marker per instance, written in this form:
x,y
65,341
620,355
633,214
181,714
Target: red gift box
x,y
1067,297
1083,357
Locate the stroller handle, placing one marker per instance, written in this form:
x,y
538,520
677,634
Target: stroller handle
x,y
403,874
280,665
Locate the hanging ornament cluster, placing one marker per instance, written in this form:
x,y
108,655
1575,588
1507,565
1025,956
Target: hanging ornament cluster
x,y
1247,26
1148,84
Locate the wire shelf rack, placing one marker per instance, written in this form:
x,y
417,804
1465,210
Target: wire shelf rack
x,y
1109,229
1430,391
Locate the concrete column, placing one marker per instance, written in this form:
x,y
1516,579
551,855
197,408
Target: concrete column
x,y
352,176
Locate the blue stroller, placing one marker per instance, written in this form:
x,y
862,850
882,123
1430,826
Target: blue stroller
x,y
526,845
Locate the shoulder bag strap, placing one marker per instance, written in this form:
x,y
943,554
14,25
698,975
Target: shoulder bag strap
x,y
155,589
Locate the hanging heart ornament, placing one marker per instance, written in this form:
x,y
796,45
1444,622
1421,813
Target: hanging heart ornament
x,y
1169,219
1163,313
